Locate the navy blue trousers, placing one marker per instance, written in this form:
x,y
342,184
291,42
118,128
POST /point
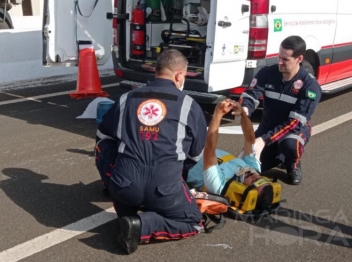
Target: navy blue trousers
x,y
170,212
288,149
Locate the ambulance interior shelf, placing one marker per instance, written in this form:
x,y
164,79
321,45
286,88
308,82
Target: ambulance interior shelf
x,y
190,42
178,33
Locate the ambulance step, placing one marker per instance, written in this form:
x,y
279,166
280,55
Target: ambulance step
x,y
207,98
131,84
337,86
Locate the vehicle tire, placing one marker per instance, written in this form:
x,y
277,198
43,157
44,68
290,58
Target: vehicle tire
x,y
4,25
5,19
308,67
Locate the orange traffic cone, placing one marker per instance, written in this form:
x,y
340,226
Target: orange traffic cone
x,y
88,81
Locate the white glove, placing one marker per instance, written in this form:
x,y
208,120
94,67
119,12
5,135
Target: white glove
x,y
245,109
258,147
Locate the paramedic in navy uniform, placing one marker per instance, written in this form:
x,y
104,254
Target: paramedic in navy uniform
x,y
290,95
141,146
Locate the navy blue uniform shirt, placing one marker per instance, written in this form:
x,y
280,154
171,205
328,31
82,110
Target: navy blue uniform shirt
x,y
287,105
155,124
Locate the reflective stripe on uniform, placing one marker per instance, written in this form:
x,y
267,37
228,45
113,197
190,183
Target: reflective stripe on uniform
x,y
281,97
299,117
121,147
122,110
299,138
196,158
181,127
292,125
256,102
102,136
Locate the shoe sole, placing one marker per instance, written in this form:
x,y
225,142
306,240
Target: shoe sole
x,y
295,183
128,238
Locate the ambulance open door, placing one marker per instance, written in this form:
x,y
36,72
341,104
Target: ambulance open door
x,y
68,24
227,44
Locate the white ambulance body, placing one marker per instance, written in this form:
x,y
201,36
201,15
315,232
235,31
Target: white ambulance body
x,y
239,38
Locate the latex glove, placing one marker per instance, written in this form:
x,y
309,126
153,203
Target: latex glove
x,y
245,109
258,147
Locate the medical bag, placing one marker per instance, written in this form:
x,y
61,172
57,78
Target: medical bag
x,y
244,198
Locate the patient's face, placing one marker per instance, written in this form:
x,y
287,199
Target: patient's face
x,y
252,177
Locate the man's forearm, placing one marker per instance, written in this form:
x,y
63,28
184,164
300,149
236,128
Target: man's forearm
x,y
247,128
213,132
211,142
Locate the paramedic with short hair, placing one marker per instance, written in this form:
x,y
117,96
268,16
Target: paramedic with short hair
x,y
290,96
152,130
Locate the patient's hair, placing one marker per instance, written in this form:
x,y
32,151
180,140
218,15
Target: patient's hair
x,y
265,198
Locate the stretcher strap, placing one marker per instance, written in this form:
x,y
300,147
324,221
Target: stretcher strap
x,y
225,158
219,221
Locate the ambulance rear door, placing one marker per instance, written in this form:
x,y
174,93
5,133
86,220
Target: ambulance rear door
x,y
227,44
71,24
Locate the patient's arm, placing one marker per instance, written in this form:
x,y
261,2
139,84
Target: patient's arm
x,y
247,127
221,109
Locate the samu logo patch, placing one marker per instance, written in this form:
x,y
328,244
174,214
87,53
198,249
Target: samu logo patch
x,y
311,95
253,83
151,112
297,85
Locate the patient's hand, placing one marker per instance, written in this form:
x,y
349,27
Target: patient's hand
x,y
223,107
237,109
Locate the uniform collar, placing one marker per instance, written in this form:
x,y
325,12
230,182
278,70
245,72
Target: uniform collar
x,y
296,76
161,82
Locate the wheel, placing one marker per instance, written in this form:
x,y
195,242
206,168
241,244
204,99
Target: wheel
x,y
4,25
5,19
308,67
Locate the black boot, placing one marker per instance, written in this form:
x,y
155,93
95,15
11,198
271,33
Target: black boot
x,y
130,233
295,175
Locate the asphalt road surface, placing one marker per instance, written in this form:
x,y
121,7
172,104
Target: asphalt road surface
x,y
52,207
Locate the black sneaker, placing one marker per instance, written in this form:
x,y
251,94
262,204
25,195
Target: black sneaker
x,y
295,175
130,232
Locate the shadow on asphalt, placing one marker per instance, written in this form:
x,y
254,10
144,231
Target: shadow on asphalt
x,y
55,205
82,152
52,205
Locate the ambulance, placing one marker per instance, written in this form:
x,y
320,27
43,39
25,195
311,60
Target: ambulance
x,y
226,42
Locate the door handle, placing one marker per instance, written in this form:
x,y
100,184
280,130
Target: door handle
x,y
245,8
224,24
273,8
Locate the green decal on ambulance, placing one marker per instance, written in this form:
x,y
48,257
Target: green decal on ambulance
x,y
277,25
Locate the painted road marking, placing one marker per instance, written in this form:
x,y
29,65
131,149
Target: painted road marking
x,y
36,98
331,123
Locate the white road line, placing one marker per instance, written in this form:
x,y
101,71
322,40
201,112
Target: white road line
x,y
36,98
57,236
331,123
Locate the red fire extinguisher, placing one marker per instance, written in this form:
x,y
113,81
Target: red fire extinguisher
x,y
138,32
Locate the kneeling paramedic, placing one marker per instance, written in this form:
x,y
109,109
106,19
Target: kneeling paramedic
x,y
142,143
217,166
290,95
